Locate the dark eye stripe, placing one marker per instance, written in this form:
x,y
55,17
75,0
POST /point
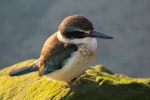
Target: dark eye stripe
x,y
75,34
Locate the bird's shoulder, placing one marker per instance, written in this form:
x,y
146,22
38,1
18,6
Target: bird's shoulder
x,y
53,47
54,53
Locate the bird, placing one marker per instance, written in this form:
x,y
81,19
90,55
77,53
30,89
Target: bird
x,y
68,52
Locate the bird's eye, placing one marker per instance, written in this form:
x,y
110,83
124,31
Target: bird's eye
x,y
75,34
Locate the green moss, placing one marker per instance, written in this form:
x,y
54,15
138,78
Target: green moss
x,y
98,82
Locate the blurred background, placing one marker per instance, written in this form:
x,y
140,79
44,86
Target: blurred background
x,y
26,24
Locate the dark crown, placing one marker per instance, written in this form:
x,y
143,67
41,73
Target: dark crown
x,y
74,26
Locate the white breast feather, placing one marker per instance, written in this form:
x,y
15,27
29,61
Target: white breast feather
x,y
78,62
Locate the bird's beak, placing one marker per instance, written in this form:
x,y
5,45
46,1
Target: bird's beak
x,y
98,34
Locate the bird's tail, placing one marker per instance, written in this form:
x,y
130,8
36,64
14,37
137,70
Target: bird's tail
x,y
25,69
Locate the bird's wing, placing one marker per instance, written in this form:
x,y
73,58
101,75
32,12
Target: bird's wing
x,y
54,54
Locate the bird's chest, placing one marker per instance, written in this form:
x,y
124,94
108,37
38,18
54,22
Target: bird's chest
x,y
84,56
76,64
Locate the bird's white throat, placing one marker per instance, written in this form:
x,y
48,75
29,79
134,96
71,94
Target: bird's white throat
x,y
90,42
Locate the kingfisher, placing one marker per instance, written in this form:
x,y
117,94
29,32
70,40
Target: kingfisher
x,y
67,53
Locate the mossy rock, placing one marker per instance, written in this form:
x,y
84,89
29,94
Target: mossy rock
x,y
98,83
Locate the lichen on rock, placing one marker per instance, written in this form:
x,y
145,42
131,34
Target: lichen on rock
x,y
98,83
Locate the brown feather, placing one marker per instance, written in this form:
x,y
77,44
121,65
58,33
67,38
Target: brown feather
x,y
51,48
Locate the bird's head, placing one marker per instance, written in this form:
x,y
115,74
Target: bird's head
x,y
78,27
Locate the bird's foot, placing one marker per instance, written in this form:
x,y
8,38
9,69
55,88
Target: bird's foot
x,y
70,85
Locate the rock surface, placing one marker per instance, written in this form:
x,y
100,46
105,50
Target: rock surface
x,y
98,83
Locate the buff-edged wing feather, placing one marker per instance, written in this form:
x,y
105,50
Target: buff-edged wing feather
x,y
54,54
